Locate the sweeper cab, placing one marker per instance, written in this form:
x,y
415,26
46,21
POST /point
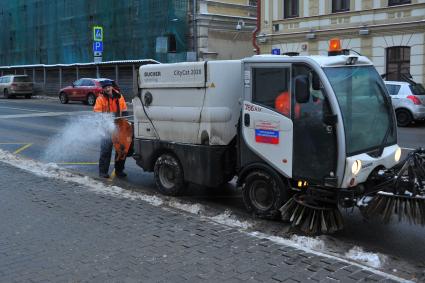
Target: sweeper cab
x,y
304,135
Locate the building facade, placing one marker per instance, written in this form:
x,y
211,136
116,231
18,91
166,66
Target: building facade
x,y
224,28
390,32
61,32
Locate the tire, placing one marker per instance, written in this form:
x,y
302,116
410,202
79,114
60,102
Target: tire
x,y
91,99
28,96
168,174
63,98
264,194
404,118
6,93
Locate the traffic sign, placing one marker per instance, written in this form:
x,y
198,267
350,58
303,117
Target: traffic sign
x,y
97,33
276,51
98,46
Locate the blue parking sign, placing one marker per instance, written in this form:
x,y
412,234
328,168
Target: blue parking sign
x,y
98,46
276,51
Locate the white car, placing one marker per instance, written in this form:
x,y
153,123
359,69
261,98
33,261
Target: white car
x,y
408,100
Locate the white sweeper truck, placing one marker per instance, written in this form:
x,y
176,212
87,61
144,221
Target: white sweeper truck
x,y
304,135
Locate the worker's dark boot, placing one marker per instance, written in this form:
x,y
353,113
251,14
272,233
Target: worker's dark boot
x,y
120,174
104,175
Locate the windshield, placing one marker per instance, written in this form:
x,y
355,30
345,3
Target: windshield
x,y
417,89
365,106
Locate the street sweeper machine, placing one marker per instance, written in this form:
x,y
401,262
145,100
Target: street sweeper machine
x,y
305,136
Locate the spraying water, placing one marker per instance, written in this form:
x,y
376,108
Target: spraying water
x,y
78,137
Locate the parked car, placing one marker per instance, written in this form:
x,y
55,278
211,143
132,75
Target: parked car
x,y
84,89
408,100
16,85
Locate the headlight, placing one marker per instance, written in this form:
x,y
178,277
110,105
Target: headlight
x,y
397,155
355,168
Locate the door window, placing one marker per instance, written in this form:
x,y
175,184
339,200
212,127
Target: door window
x,y
87,83
78,83
271,89
392,89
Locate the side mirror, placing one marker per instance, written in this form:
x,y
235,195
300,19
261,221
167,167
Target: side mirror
x,y
302,89
315,81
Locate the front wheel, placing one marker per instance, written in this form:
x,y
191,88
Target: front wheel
x,y
28,96
168,174
404,118
6,93
91,99
63,98
264,194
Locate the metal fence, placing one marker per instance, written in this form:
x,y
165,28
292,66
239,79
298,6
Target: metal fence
x,y
49,79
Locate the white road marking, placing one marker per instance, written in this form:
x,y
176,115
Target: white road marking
x,y
23,109
45,114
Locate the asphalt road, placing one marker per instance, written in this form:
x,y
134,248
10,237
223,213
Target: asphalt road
x,y
27,128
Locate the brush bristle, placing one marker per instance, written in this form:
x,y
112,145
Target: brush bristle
x,y
311,220
409,209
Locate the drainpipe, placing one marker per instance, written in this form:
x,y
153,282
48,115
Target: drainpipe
x,y
257,29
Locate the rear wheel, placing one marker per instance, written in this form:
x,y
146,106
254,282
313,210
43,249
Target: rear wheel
x,y
168,174
264,193
28,96
91,99
63,98
404,118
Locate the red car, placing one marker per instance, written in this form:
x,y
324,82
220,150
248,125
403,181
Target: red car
x,y
85,90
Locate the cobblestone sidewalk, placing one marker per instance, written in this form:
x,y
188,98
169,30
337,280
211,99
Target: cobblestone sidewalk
x,y
53,231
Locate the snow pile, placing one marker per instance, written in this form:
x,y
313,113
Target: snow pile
x,y
191,208
371,259
52,170
308,242
228,219
84,130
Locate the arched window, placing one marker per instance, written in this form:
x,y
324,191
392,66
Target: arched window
x,y
398,62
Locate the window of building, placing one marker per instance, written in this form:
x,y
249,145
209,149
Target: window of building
x,y
252,2
398,62
291,8
398,2
340,6
172,44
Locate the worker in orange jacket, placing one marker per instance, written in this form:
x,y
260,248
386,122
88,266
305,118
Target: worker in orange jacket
x,y
282,105
110,101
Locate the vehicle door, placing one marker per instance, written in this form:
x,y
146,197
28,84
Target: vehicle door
x,y
74,92
89,87
266,127
315,144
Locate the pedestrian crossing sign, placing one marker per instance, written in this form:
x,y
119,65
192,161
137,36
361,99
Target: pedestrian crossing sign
x,y
97,33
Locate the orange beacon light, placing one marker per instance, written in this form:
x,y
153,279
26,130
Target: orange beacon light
x,y
334,47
